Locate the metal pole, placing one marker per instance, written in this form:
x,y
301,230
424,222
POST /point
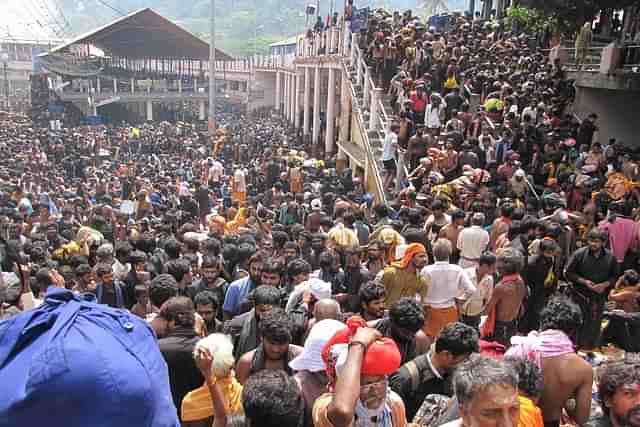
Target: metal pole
x,y
212,71
6,86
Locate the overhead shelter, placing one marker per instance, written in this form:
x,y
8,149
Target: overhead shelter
x,y
145,34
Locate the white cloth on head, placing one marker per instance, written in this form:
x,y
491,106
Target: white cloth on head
x,y
311,357
319,288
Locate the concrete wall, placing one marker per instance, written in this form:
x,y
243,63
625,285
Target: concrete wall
x,y
617,112
264,83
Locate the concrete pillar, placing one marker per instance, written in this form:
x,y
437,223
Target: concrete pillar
x,y
307,101
278,76
195,84
316,106
98,86
149,111
345,110
296,100
201,112
292,98
115,85
285,96
179,85
331,107
366,96
133,85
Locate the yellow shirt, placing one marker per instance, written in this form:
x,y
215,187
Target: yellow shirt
x,y
401,283
197,404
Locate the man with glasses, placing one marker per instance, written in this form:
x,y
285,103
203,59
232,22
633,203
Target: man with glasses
x,y
428,373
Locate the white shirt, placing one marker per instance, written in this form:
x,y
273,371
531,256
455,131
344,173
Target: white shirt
x,y
476,303
390,146
432,116
472,241
216,171
448,282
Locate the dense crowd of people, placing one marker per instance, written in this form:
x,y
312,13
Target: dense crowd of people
x,y
154,276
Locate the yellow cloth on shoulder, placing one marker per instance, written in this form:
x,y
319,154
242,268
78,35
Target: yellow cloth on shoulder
x,y
530,414
197,404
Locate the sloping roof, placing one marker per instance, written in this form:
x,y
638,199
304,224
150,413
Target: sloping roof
x,y
145,34
285,42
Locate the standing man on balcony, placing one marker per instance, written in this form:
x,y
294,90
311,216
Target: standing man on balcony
x,y
583,43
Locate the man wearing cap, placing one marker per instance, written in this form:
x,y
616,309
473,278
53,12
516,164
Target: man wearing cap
x,y
402,278
310,369
359,362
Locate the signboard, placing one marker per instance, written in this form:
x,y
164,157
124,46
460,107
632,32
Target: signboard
x,y
359,19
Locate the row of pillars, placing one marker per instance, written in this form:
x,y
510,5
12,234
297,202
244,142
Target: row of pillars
x,y
289,87
149,110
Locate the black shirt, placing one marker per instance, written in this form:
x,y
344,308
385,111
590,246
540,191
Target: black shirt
x,y
184,375
414,381
598,269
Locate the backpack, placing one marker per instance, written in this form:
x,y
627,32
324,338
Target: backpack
x,y
451,83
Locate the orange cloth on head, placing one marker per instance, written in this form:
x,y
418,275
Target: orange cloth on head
x,y
412,250
530,414
438,318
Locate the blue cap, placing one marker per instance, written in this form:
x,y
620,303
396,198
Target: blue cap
x,y
72,362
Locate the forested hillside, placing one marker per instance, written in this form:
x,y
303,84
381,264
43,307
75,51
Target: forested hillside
x,y
241,25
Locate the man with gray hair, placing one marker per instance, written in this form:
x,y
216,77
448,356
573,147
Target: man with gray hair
x,y
487,393
473,241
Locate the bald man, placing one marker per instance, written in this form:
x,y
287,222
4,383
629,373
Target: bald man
x,y
324,309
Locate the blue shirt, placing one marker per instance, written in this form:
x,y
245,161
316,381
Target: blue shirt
x,y
236,294
72,362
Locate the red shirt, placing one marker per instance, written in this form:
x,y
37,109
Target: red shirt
x,y
419,102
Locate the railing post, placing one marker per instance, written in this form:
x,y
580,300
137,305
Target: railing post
x,y
354,43
356,63
367,76
374,117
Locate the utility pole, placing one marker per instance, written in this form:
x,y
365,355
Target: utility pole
x,y
212,71
4,56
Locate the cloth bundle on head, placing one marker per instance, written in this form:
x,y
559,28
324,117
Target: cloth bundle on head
x,y
412,250
342,237
539,345
311,357
381,358
319,288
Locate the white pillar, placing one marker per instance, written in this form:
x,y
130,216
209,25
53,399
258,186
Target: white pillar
x,y
331,106
366,97
345,109
307,101
285,96
316,106
133,85
98,85
195,84
296,100
354,43
292,97
115,85
278,90
179,85
149,111
201,112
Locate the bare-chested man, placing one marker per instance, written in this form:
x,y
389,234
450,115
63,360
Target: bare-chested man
x,y
417,147
507,297
451,232
501,224
567,377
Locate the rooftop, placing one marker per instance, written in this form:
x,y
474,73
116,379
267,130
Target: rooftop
x,y
144,34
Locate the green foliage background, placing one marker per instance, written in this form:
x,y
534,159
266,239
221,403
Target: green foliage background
x,y
236,20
